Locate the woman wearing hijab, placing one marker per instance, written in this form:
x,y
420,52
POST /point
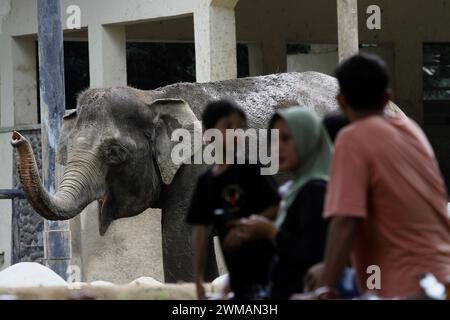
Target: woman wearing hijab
x,y
299,232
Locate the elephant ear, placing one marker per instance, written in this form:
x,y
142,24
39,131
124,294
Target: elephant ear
x,y
69,122
169,115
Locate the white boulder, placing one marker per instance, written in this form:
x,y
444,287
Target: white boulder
x,y
220,284
146,281
30,274
101,283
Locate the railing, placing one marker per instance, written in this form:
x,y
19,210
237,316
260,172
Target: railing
x,y
11,194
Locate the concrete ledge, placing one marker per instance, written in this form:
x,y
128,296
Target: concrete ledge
x,y
113,292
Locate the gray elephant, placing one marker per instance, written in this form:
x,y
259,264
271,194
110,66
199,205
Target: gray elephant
x,y
115,148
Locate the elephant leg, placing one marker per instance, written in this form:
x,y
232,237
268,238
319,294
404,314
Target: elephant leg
x,y
176,233
176,248
177,251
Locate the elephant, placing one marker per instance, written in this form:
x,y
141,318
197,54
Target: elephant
x,y
115,148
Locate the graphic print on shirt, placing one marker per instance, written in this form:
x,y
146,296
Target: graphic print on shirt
x,y
232,196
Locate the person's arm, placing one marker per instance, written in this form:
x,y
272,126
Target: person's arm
x,y
200,236
324,276
339,245
346,205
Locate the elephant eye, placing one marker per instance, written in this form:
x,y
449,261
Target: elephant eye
x,y
115,154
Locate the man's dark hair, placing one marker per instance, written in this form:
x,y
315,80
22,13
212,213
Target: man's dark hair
x,y
217,109
363,80
334,122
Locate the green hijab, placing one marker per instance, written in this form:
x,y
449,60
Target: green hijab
x,y
314,148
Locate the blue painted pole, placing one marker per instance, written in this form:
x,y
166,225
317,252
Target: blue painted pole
x,y
57,245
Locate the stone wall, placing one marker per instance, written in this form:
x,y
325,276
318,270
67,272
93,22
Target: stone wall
x,y
27,225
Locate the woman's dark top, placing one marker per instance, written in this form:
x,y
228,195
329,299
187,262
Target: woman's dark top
x,y
238,192
300,242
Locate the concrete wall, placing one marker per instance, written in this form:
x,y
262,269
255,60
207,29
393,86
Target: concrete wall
x,y
131,248
6,181
324,58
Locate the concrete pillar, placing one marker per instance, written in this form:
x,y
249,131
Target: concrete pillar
x,y
347,17
107,56
255,59
274,55
18,97
25,84
215,40
5,9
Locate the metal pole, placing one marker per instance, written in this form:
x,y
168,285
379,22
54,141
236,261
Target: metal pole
x,y
347,17
11,194
57,246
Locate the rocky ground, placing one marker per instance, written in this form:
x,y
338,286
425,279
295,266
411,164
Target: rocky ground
x,y
92,292
33,281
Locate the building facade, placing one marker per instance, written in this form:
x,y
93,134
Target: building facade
x,y
406,30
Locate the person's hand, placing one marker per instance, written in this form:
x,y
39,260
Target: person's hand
x,y
256,227
234,239
313,277
200,289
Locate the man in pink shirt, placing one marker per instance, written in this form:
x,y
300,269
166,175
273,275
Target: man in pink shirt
x,y
386,198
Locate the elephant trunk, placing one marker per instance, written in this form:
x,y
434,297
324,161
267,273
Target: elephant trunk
x,y
74,193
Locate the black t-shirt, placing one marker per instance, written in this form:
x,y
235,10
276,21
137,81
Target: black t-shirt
x,y
238,192
300,242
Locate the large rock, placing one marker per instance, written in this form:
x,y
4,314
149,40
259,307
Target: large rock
x,y
30,274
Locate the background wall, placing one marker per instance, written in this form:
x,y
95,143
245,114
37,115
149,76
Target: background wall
x,y
5,205
267,26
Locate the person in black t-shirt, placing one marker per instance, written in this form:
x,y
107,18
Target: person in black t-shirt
x,y
299,232
225,193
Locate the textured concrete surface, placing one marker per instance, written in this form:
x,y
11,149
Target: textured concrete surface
x,y
348,38
131,248
114,292
5,205
215,40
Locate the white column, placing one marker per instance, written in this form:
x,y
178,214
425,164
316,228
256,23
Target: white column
x,y
18,98
255,59
25,93
215,40
107,56
347,17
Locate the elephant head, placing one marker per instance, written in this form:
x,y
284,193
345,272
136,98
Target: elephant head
x,y
115,148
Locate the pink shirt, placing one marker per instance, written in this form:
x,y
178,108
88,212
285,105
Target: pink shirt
x,y
384,171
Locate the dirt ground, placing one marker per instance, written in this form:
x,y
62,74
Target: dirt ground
x,y
184,291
